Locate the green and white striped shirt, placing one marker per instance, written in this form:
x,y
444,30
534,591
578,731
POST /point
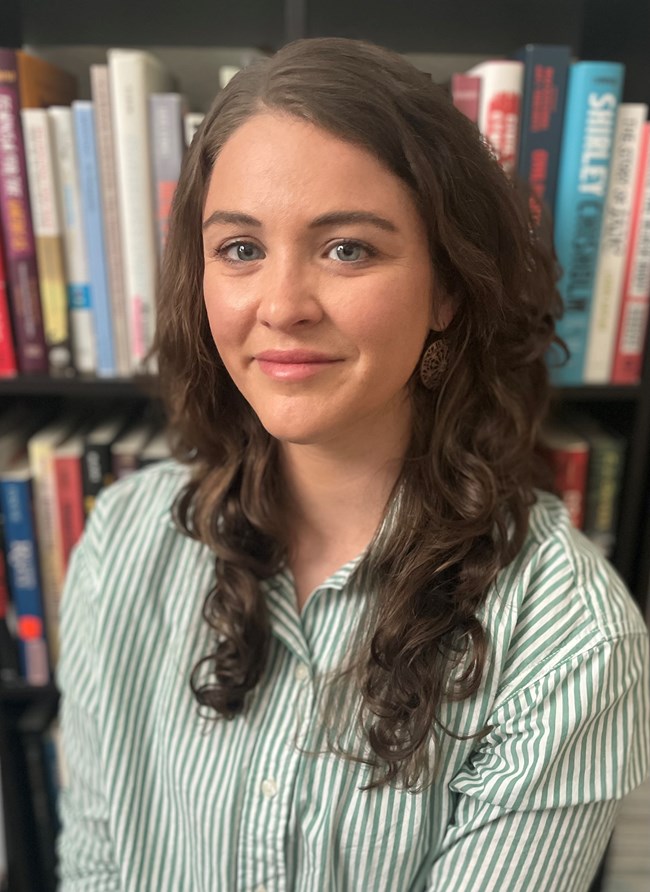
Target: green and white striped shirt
x,y
162,799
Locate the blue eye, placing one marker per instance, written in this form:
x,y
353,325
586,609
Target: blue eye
x,y
244,251
348,251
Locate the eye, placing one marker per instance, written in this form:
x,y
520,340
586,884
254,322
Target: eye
x,y
350,251
235,252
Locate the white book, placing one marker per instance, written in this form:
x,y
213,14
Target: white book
x,y
39,161
226,74
502,85
134,75
82,322
614,241
108,181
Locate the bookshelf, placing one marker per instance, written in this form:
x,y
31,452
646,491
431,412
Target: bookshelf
x,y
75,32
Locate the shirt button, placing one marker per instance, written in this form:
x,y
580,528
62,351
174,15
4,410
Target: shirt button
x,y
269,788
301,672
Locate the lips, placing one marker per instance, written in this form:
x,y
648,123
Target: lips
x,y
293,365
293,357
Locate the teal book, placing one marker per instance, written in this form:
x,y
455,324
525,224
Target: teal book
x,y
593,96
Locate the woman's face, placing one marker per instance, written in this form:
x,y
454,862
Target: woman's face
x,y
318,282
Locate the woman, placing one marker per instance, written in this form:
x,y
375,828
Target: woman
x,y
365,653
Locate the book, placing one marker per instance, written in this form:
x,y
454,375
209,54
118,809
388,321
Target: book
x,y
8,366
17,228
83,116
191,123
466,94
74,241
614,240
226,74
168,146
24,575
157,449
546,69
500,107
9,661
593,95
49,239
128,447
604,478
633,316
133,76
567,454
41,448
68,459
100,92
97,464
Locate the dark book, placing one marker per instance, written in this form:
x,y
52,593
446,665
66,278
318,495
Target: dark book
x,y
540,129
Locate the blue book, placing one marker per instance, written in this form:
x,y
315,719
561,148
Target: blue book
x,y
546,69
91,205
593,95
23,571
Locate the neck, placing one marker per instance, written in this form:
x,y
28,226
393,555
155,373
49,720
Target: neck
x,y
337,497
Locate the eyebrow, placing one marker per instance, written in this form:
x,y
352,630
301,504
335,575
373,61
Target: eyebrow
x,y
333,218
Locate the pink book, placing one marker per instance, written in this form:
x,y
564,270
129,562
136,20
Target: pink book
x,y
466,94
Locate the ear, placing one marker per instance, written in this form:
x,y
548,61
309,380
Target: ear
x,y
443,308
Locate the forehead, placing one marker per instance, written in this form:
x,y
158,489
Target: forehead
x,y
274,157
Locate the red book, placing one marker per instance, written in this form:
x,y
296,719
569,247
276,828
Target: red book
x,y
633,318
8,367
69,494
567,454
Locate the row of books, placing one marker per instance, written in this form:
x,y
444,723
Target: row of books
x,y
560,126
51,471
85,195
86,188
587,462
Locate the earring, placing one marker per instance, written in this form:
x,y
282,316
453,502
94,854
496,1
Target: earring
x,y
433,364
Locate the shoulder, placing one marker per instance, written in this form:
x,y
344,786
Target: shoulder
x,y
131,538
559,572
559,603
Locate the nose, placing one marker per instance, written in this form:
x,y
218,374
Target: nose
x,y
288,295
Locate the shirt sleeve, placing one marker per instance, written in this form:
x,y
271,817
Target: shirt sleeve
x,y
84,846
535,804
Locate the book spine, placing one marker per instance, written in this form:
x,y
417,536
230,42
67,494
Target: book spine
x,y
69,503
133,76
49,243
633,319
8,366
570,480
84,126
74,242
9,661
603,490
500,108
16,223
540,130
593,96
48,535
107,177
166,111
614,239
16,506
466,94
96,472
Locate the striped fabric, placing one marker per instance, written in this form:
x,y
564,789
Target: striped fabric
x,y
160,798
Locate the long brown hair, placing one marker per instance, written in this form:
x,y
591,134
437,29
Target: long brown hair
x,y
468,479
